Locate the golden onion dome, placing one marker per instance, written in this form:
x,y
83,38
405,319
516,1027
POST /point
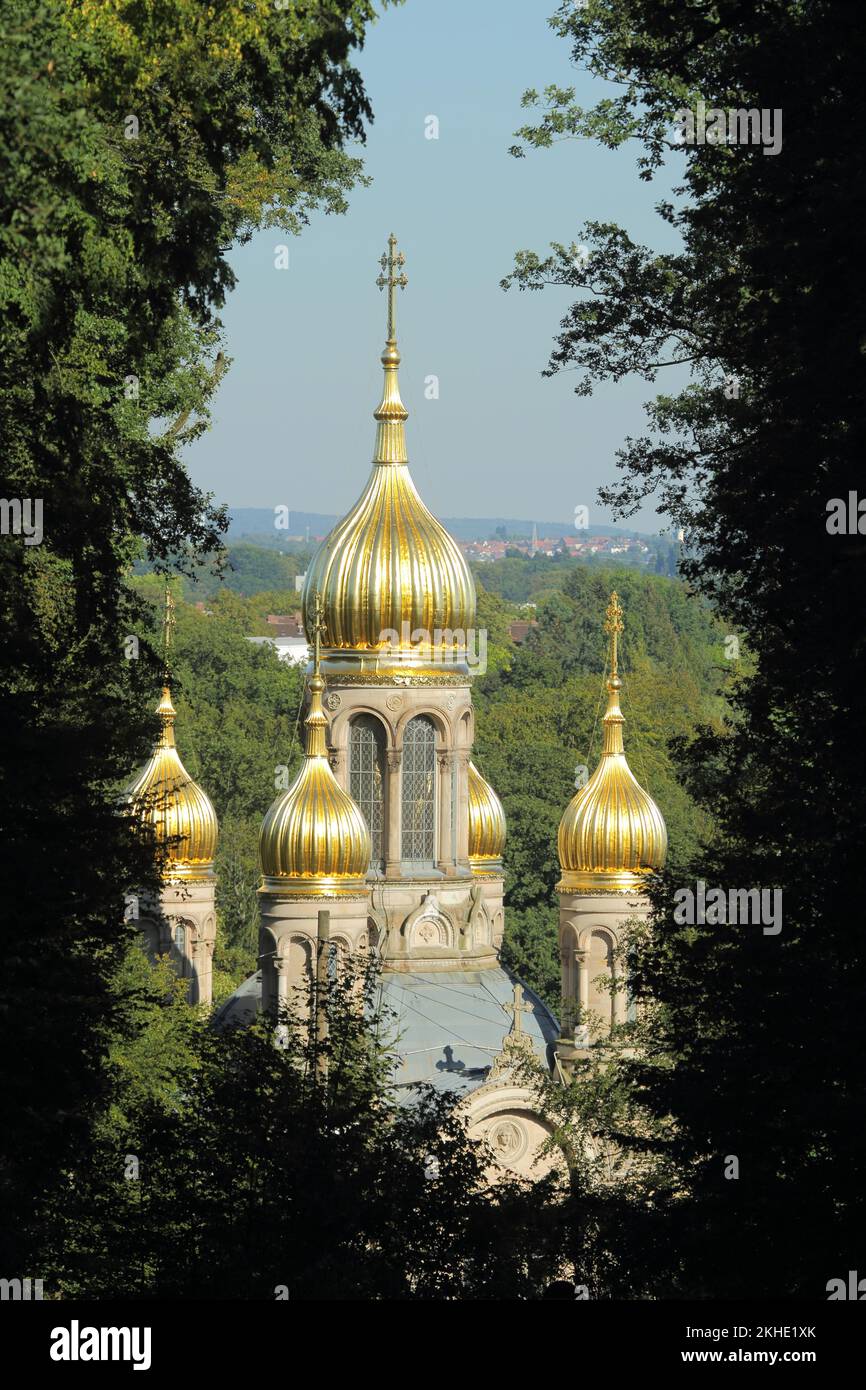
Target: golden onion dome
x,y
179,815
397,591
486,824
314,838
612,833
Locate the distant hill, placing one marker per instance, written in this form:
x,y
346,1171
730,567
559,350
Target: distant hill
x,y
259,521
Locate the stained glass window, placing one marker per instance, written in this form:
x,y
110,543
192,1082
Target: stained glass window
x,y
366,779
419,791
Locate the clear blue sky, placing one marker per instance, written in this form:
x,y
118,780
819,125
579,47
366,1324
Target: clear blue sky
x,y
293,420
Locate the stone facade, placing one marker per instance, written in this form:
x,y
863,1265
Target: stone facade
x,y
288,942
428,916
503,1113
590,936
181,923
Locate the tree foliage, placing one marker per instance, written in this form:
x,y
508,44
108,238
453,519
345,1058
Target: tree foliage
x,y
759,1036
137,143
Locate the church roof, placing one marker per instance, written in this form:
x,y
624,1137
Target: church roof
x,y
443,1028
449,1026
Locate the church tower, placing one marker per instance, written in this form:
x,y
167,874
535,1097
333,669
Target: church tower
x,y
611,836
398,612
181,920
315,850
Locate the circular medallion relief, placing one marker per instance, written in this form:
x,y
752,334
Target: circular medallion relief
x,y
394,702
508,1140
333,701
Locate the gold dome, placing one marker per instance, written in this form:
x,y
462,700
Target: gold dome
x,y
612,833
397,592
179,814
314,838
486,824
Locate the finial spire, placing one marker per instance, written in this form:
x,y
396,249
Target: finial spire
x,y
167,627
165,709
315,723
392,263
391,413
318,626
613,720
613,626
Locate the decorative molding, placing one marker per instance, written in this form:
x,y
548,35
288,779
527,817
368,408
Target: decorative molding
x,y
383,679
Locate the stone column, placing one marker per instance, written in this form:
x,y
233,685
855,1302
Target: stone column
x,y
393,794
445,861
580,961
281,967
462,856
196,957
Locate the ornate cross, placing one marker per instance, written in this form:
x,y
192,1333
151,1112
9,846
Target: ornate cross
x,y
518,1009
167,625
392,262
613,626
318,626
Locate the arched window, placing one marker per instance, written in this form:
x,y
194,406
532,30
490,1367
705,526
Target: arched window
x,y
419,792
366,779
600,967
179,935
300,978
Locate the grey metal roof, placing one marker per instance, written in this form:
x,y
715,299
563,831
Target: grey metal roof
x,y
241,1006
448,1027
443,1028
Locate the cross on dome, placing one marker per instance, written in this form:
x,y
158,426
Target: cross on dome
x,y
317,628
614,626
517,1009
168,621
392,260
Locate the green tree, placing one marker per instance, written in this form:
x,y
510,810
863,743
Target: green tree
x,y
137,143
764,301
259,1176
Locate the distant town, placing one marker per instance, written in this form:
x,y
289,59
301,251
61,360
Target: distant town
x,y
582,544
499,547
